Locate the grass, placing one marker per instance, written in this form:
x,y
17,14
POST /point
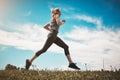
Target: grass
x,y
58,75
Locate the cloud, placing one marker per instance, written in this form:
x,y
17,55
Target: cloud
x,y
90,19
92,47
68,9
85,46
28,37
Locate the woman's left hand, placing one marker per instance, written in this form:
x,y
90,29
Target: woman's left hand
x,y
63,21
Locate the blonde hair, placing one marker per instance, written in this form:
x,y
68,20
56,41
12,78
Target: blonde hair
x,y
55,11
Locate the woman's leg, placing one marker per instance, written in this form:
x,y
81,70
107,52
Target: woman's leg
x,y
61,43
47,44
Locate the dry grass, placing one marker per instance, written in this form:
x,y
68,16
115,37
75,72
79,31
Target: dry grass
x,y
58,75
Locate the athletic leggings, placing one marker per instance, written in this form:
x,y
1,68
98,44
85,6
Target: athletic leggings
x,y
52,38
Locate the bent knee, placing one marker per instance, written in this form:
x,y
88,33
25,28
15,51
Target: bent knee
x,y
66,47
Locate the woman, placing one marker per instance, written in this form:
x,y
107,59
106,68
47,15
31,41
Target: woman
x,y
53,38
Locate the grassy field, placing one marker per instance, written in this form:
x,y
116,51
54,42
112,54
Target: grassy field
x,y
58,75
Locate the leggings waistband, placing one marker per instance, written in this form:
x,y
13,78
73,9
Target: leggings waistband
x,y
53,31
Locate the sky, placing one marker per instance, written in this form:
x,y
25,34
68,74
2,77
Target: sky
x,y
92,32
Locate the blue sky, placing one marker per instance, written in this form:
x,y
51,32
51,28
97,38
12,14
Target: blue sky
x,y
92,31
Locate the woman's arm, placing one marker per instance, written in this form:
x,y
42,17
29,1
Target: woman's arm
x,y
47,26
63,22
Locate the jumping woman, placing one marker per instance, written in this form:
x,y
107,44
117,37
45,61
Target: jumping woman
x,y
53,27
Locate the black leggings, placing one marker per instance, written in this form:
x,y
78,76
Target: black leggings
x,y
52,38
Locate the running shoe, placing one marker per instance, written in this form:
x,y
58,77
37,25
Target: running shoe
x,y
73,66
28,64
